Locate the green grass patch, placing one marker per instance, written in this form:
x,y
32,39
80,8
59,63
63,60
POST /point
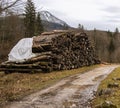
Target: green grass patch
x,y
15,86
113,93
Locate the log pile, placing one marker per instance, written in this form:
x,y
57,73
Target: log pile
x,y
57,50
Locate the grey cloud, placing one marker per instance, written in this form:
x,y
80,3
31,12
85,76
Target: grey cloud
x,y
112,9
57,13
90,25
113,15
112,18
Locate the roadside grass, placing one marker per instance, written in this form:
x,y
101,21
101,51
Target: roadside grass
x,y
15,86
114,96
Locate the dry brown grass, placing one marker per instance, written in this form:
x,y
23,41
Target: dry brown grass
x,y
17,85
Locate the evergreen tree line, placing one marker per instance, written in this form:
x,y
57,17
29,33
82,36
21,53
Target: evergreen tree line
x,y
32,21
106,44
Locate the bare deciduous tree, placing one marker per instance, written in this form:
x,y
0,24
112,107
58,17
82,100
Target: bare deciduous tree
x,y
6,4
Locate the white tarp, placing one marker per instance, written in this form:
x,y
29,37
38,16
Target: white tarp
x,y
22,50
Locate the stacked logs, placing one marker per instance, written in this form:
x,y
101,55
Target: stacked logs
x,y
57,50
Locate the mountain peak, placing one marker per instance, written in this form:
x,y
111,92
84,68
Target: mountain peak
x,y
47,16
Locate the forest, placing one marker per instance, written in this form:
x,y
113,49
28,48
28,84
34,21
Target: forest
x,y
15,26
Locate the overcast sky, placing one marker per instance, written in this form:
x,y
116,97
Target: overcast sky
x,y
99,14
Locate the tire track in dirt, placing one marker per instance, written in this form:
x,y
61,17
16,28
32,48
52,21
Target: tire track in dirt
x,y
73,92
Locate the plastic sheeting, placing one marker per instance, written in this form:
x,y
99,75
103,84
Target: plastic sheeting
x,y
22,50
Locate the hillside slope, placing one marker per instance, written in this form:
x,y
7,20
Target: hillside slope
x,y
51,22
106,45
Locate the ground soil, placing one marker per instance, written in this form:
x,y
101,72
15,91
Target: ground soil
x,y
73,92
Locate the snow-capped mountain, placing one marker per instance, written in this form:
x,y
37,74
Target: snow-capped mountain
x,y
47,16
50,22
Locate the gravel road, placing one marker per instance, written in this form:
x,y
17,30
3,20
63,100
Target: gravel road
x,y
72,92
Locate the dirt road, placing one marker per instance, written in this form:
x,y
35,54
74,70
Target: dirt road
x,y
73,92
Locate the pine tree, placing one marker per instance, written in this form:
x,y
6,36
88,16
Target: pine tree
x,y
39,26
29,20
111,49
94,39
82,27
79,26
116,32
